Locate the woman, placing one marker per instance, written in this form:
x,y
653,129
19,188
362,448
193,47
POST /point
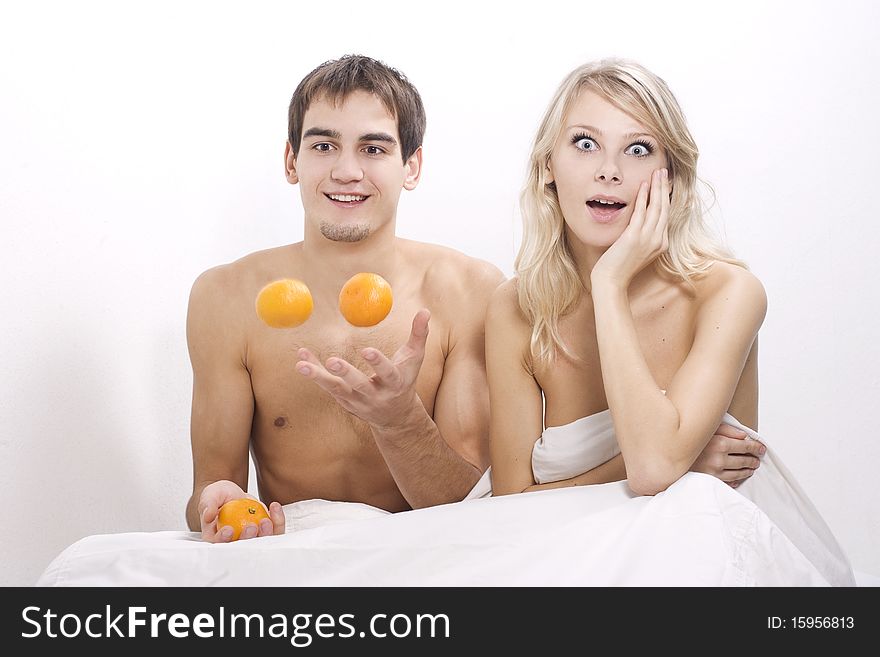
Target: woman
x,y
628,331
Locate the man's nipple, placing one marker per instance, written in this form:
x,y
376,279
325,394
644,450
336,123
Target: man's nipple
x,y
280,421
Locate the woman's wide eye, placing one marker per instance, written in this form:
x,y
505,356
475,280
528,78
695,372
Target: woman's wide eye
x,y
638,150
586,144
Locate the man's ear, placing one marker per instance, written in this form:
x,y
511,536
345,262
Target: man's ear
x,y
413,168
290,164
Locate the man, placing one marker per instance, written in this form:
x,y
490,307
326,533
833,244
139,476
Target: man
x,y
394,416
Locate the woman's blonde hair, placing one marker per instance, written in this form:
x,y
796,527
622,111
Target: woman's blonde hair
x,y
548,284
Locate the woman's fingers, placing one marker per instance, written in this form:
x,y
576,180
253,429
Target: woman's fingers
x,y
638,216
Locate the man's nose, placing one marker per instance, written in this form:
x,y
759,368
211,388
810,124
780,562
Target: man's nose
x,y
347,168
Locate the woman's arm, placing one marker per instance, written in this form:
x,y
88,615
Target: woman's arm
x,y
660,435
516,403
611,470
515,399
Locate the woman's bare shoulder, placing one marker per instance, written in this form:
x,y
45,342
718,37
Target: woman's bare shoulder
x,y
726,286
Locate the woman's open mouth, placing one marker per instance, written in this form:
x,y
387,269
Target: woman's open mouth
x,y
605,210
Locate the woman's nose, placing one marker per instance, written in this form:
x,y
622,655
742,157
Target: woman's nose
x,y
608,171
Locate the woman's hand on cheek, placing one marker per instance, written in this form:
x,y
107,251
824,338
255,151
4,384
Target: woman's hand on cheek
x,y
644,239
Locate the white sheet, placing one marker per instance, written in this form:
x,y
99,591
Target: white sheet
x,y
699,532
566,451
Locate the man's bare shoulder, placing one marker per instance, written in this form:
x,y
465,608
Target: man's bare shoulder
x,y
222,289
240,274
447,270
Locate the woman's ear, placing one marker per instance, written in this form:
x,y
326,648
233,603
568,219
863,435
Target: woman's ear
x,y
549,178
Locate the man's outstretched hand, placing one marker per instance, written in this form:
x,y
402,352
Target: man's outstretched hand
x,y
388,397
219,493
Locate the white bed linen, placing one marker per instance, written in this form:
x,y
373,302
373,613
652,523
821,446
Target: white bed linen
x,y
699,532
568,450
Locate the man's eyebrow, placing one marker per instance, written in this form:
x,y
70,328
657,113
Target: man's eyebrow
x,y
379,136
322,132
595,130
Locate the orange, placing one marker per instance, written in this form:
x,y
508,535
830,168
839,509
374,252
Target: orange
x,y
239,513
284,304
365,299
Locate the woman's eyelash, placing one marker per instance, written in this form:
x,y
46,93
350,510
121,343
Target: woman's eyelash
x,y
581,135
648,146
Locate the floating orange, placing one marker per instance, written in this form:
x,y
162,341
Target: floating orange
x,y
365,299
238,513
284,304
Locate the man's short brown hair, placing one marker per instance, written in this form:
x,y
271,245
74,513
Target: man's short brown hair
x,y
336,79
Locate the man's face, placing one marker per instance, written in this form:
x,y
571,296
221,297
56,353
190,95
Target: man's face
x,y
350,167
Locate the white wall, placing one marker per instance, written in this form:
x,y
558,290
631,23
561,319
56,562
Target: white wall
x,y
142,145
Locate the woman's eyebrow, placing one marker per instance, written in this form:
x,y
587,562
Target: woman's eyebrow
x,y
595,130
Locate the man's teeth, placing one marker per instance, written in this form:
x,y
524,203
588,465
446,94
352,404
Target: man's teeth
x,y
347,198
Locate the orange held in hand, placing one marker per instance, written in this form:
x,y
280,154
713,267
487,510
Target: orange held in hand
x,y
284,304
365,299
239,513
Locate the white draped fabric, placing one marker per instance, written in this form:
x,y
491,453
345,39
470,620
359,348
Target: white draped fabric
x,y
699,532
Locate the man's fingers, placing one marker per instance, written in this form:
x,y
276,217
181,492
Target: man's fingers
x,y
353,377
306,355
736,477
730,432
736,462
209,513
212,534
409,357
276,513
250,530
754,447
418,335
386,372
316,372
209,528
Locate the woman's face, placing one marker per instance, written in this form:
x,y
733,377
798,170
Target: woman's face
x,y
598,163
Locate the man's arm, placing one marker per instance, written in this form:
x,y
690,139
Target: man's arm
x,y
222,408
434,460
438,460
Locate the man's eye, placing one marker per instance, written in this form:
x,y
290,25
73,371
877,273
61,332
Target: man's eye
x,y
322,147
638,150
374,150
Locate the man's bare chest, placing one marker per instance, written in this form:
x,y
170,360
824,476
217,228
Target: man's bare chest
x,y
272,356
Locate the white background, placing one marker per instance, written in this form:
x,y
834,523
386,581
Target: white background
x,y
142,144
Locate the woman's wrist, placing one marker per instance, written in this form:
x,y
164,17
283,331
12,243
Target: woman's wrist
x,y
603,285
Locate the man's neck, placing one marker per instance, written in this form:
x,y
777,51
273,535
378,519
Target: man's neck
x,y
336,262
